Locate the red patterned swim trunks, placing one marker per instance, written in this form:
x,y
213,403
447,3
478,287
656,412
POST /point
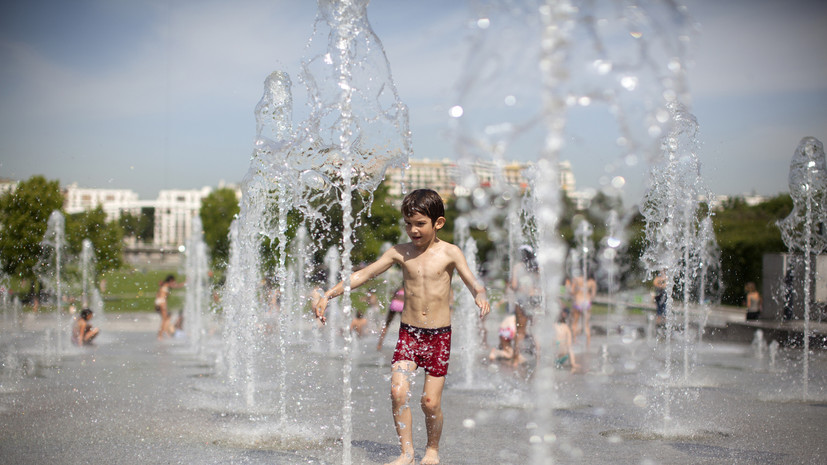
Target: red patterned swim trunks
x,y
429,348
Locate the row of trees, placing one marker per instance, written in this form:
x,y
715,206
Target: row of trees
x,y
744,233
24,216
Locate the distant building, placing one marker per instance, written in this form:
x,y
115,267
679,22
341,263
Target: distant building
x,y
174,211
717,203
113,201
7,185
442,175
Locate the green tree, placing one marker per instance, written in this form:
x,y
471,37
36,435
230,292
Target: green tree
x,y
106,237
24,217
217,212
376,227
745,233
140,226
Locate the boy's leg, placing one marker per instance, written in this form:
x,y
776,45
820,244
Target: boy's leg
x,y
432,407
402,418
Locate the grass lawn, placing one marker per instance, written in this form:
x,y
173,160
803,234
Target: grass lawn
x,y
134,291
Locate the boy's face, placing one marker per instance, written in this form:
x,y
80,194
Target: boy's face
x,y
421,230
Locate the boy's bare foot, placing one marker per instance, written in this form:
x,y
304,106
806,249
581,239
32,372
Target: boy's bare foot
x,y
431,457
404,459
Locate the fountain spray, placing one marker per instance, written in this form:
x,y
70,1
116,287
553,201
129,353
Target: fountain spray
x,y
805,229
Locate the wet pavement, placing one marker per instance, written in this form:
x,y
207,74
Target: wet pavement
x,y
134,399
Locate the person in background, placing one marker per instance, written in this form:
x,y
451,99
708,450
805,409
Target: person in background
x,y
583,292
660,283
161,305
82,332
506,331
753,302
564,353
359,324
525,282
395,308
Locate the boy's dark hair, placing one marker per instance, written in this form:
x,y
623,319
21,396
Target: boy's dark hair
x,y
424,201
170,278
85,313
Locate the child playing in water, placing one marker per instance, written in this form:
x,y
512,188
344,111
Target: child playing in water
x,y
506,332
563,342
358,325
83,333
161,305
428,265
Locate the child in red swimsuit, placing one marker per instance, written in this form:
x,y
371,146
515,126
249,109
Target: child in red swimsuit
x,y
428,264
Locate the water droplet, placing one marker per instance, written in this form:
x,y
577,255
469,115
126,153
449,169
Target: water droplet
x,y
629,82
674,65
602,66
483,23
455,111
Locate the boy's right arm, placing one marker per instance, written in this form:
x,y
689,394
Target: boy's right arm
x,y
356,279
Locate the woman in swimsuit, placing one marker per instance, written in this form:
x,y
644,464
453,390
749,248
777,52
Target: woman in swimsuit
x,y
754,302
582,294
161,307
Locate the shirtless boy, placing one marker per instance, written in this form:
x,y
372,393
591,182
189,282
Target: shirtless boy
x,y
428,264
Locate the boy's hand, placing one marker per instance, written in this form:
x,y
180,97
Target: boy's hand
x,y
319,305
483,304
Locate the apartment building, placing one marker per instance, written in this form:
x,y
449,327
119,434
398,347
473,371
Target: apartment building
x,y
113,201
442,175
174,211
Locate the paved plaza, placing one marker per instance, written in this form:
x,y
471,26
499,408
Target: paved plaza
x,y
133,399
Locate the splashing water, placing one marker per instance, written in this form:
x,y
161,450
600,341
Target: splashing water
x,y
354,130
90,295
628,59
805,229
51,271
674,232
469,340
357,129
197,297
633,61
710,280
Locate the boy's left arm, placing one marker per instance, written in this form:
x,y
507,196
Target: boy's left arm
x,y
477,290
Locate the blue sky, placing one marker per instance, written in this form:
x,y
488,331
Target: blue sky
x,y
157,94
